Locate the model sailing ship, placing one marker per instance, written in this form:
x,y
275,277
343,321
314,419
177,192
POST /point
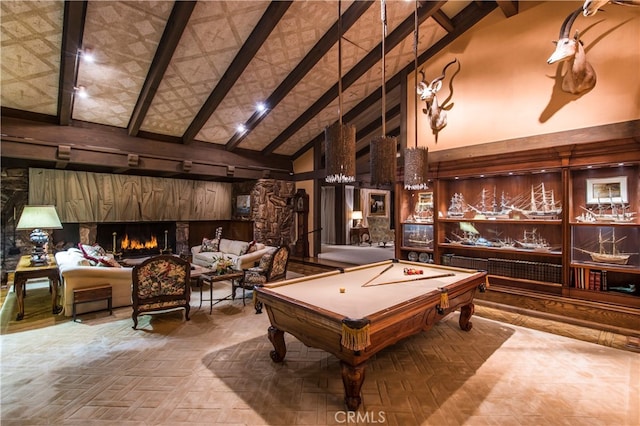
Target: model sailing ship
x,y
531,240
540,203
457,207
490,208
613,212
608,251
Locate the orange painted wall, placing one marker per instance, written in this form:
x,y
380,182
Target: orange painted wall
x,y
506,89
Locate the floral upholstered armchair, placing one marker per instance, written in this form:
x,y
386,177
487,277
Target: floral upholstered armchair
x,y
379,230
161,283
272,267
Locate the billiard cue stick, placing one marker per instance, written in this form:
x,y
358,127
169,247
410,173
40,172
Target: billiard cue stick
x,y
450,274
385,270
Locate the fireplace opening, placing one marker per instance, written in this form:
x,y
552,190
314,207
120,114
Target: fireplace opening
x,y
137,239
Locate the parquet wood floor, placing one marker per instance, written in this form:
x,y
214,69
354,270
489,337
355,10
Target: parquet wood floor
x,y
215,369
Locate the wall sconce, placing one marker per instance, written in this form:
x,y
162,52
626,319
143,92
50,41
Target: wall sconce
x,y
38,218
357,216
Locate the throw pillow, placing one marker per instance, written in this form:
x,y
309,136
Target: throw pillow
x,y
109,262
237,247
92,253
210,245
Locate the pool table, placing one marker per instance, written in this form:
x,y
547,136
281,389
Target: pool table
x,y
356,312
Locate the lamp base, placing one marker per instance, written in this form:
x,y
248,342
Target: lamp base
x,y
39,256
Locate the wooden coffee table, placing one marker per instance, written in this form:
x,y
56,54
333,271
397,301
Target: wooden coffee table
x,y
210,277
197,271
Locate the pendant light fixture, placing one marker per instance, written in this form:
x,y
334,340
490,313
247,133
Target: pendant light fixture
x,y
339,138
383,149
416,159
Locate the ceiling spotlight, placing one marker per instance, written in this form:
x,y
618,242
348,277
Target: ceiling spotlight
x,y
241,128
261,107
82,92
87,55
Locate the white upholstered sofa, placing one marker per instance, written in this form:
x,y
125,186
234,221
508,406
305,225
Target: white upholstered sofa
x,y
75,272
243,254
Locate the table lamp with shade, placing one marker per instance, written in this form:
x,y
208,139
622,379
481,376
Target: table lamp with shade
x,y
39,218
357,216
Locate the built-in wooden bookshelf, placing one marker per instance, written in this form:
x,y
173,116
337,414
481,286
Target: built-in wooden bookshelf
x,y
537,223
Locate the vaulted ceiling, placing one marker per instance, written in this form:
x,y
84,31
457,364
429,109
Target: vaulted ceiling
x,y
197,71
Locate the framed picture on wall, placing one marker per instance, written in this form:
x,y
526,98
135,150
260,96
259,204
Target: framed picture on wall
x,y
377,204
243,205
607,190
425,199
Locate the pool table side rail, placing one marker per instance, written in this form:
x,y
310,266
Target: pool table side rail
x,y
320,328
418,265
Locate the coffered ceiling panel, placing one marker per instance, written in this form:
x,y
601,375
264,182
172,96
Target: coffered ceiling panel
x,y
31,43
296,33
123,51
358,41
215,33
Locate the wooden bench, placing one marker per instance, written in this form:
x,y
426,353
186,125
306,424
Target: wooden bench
x,y
92,294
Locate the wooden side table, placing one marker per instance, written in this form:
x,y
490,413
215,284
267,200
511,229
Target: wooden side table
x,y
24,272
357,234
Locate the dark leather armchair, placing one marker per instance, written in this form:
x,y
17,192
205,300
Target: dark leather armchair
x,y
161,283
272,267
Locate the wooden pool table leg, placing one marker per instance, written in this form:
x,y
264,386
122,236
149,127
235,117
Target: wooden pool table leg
x,y
276,337
465,315
352,378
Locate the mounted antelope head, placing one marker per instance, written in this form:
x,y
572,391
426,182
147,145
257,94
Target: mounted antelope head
x,y
579,76
590,7
436,112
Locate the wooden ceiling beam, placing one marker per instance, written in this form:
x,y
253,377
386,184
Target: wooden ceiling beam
x,y
259,35
373,57
444,21
173,30
72,31
508,7
316,53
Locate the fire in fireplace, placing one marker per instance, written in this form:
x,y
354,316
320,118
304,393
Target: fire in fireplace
x,y
127,244
137,239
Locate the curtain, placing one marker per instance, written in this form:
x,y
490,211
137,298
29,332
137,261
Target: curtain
x,y
348,200
102,197
328,218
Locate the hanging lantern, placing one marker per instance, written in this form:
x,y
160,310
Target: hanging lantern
x,y
415,168
416,159
339,138
340,153
383,149
383,160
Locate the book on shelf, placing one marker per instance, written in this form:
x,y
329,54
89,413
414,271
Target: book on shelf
x,y
590,279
